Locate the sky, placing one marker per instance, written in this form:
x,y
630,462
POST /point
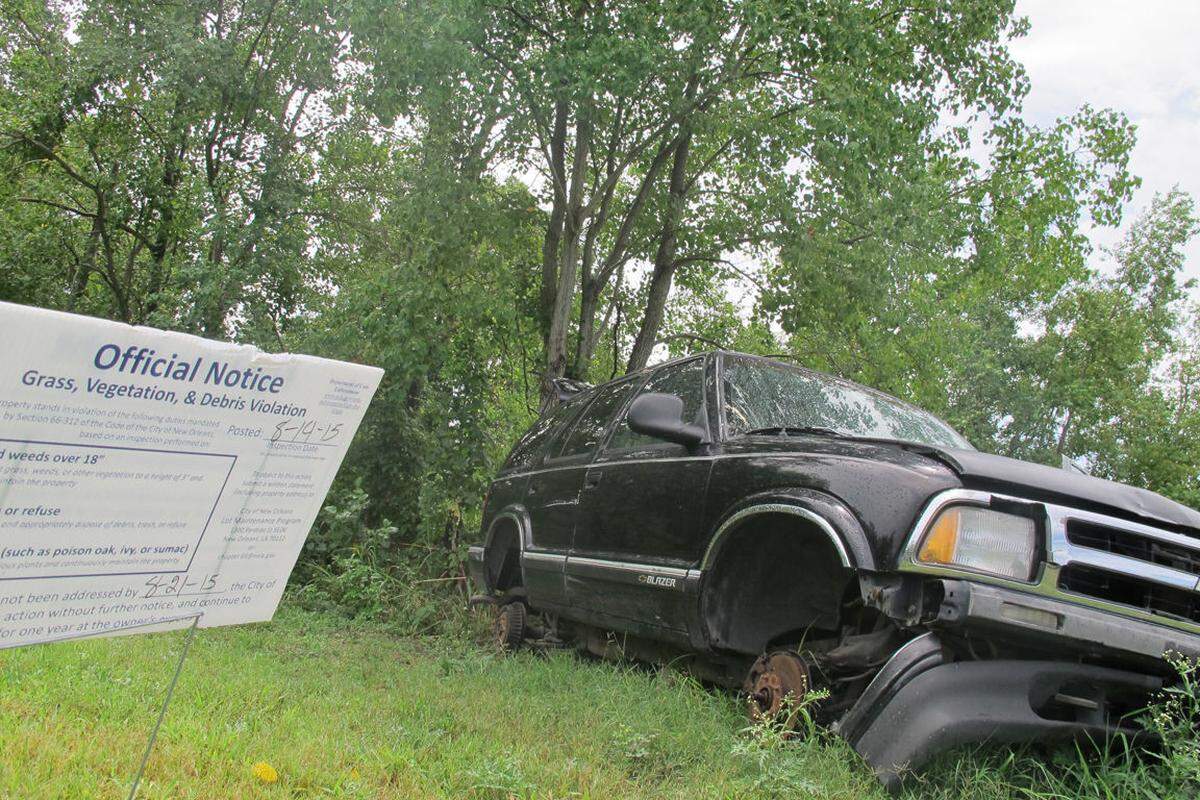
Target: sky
x,y
1140,57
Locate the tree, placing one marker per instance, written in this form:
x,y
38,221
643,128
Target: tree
x,y
669,134
1108,341
921,284
987,311
433,286
170,148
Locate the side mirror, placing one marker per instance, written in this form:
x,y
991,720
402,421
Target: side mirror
x,y
661,416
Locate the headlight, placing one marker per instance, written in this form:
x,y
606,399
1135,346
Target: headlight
x,y
983,540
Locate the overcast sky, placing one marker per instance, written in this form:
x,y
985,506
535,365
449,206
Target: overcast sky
x,y
1141,57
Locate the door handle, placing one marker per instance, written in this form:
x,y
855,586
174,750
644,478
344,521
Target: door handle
x,y
593,479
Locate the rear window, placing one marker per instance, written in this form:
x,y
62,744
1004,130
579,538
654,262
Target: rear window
x,y
537,440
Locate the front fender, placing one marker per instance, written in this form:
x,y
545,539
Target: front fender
x,y
830,514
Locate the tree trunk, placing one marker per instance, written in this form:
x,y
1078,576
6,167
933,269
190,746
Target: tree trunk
x,y
165,236
1062,436
568,263
664,260
87,266
589,300
594,285
552,243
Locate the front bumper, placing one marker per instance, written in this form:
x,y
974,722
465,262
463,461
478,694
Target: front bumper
x,y
919,705
1065,626
922,702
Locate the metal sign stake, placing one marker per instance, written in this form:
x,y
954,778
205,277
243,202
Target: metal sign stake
x,y
162,712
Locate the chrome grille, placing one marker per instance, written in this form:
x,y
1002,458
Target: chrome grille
x,y
1115,540
1126,563
1164,601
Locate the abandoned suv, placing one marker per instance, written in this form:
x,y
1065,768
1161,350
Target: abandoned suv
x,y
782,531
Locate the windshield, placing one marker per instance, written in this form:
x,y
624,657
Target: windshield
x,y
761,394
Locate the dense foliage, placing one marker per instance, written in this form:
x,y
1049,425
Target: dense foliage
x,y
479,197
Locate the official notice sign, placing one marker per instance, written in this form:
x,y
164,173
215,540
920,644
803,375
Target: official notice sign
x,y
148,476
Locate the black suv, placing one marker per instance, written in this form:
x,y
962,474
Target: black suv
x,y
781,530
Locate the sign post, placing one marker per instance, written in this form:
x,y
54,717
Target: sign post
x,y
162,711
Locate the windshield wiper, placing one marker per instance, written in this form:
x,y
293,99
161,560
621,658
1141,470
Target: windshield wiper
x,y
795,430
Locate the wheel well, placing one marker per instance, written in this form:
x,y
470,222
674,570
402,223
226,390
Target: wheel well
x,y
502,560
777,577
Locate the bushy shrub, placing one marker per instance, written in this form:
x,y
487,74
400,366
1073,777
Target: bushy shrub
x,y
341,529
357,569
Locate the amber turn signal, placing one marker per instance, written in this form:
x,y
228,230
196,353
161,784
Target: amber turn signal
x,y
942,539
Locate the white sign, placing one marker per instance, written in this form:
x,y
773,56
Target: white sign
x,y
149,476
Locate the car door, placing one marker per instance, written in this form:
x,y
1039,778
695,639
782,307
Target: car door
x,y
552,494
641,519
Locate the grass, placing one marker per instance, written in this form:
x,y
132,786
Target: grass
x,y
348,711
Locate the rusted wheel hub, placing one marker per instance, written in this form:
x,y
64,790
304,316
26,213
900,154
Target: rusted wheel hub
x,y
777,684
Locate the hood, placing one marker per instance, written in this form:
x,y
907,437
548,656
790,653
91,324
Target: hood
x,y
1037,481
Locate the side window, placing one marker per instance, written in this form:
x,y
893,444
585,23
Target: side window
x,y
538,438
685,381
590,427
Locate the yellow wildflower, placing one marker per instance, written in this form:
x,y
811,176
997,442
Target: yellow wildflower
x,y
265,772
